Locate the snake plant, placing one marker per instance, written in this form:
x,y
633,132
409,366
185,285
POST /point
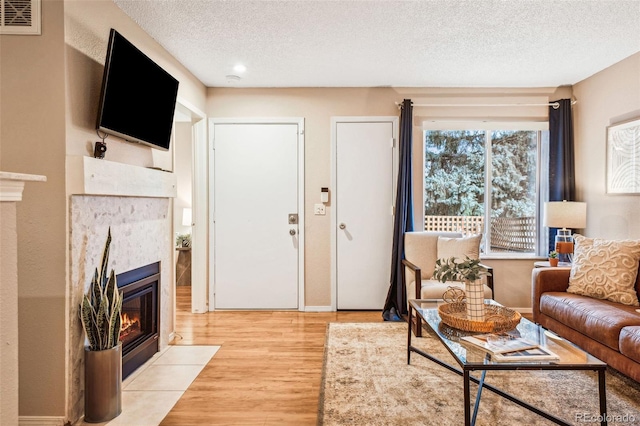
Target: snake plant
x,y
101,306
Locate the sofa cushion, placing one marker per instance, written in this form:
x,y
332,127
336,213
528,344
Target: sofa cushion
x,y
630,342
605,269
601,320
459,248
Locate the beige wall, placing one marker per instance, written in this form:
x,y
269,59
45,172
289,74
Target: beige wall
x,y
318,105
33,141
608,97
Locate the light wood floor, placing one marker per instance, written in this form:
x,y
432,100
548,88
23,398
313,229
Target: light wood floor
x,y
267,371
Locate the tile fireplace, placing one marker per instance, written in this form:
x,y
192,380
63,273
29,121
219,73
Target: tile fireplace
x,y
141,228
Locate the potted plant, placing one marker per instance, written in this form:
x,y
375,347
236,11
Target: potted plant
x,y
183,240
100,316
470,271
553,258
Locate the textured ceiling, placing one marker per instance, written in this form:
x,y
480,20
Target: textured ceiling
x,y
438,43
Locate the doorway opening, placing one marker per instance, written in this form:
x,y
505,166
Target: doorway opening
x,y
190,209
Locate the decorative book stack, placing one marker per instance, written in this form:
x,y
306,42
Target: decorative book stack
x,y
504,347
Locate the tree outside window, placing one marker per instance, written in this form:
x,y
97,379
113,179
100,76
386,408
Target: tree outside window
x,y
471,175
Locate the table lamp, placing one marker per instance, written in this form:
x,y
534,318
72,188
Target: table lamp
x,y
565,215
184,240
186,217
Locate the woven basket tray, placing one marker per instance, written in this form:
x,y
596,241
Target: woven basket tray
x,y
497,318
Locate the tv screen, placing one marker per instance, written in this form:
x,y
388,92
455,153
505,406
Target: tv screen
x,y
138,97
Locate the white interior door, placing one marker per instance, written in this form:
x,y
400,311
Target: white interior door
x,y
256,254
364,188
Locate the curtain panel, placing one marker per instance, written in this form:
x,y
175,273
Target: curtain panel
x,y
562,185
396,304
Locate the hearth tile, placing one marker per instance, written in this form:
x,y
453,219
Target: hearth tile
x,y
145,408
165,377
187,355
137,372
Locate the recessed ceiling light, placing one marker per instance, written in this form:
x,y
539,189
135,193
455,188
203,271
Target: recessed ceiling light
x,y
240,68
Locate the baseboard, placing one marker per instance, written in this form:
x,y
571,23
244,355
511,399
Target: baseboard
x,y
40,421
318,309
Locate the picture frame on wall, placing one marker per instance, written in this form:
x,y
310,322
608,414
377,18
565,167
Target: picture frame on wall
x,y
623,158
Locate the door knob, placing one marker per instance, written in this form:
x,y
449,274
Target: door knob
x,y
342,226
292,232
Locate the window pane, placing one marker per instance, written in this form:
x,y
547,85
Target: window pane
x,y
454,180
513,191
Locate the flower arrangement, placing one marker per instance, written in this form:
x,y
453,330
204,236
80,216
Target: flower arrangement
x,y
454,270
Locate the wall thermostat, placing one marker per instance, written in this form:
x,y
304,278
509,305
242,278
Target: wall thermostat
x,y
324,195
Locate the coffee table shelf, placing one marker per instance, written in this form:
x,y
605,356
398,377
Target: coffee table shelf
x,y
469,359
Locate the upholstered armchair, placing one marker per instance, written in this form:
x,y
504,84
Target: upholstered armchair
x,y
422,249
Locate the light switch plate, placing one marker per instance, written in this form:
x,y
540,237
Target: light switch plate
x,y
319,209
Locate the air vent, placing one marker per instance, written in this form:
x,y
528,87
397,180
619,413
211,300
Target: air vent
x,y
20,17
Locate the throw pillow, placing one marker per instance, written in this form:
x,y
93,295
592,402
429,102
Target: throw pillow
x,y
459,247
605,269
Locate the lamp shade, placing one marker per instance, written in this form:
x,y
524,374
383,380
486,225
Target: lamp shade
x,y
186,217
565,214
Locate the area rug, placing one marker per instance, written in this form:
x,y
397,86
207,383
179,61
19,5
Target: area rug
x,y
366,381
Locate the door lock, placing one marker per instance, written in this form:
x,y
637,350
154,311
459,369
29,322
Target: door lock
x,y
293,218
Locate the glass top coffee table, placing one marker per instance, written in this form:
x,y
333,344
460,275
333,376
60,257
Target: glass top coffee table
x,y
469,359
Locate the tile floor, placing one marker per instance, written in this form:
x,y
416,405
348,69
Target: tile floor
x,y
151,391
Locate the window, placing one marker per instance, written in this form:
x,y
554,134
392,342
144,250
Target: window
x,y
486,180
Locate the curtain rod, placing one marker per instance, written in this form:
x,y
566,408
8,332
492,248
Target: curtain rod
x,y
554,105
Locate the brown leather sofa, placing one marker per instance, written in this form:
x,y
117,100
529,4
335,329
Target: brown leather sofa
x,y
608,330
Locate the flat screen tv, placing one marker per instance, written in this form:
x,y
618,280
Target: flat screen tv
x,y
138,97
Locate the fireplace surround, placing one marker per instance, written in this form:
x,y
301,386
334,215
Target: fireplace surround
x,y
140,315
141,228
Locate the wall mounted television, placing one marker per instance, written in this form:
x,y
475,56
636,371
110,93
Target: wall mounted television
x,y
138,97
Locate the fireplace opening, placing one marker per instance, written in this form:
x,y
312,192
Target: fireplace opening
x,y
140,315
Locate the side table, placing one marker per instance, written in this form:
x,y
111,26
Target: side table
x,y
183,266
545,264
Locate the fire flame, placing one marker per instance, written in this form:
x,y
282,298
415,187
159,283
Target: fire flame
x,y
129,325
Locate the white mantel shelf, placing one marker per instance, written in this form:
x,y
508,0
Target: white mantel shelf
x,y
12,184
92,176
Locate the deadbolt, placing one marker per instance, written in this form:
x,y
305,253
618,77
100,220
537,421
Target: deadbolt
x,y
293,218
